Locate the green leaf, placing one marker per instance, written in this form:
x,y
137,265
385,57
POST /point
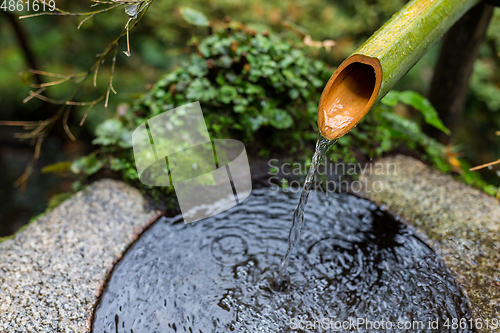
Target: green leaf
x,y
58,167
293,93
239,108
200,89
227,94
391,99
288,74
194,17
109,127
116,164
286,61
425,107
125,140
279,118
26,78
108,132
254,123
253,89
87,165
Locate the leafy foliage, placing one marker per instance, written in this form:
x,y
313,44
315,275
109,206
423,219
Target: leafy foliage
x,y
260,89
418,102
193,17
247,83
252,86
112,132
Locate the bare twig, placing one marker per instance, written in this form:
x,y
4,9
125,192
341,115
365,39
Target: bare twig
x,y
110,85
33,94
89,108
38,130
127,53
24,124
22,181
38,147
54,83
64,13
65,124
485,165
85,20
36,71
136,10
36,94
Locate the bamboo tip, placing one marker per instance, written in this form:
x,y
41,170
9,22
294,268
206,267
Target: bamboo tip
x,y
349,95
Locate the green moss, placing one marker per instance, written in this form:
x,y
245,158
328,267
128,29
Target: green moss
x,y
34,218
58,199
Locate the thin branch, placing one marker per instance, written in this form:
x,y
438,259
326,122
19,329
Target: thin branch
x,y
127,2
36,71
34,94
38,147
485,165
84,20
95,73
64,13
144,6
22,181
54,83
110,86
65,125
24,124
39,130
85,103
98,2
89,108
127,53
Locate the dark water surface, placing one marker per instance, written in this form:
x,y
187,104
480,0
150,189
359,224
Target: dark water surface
x,y
215,275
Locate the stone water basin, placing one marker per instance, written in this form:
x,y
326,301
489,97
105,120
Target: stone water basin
x,y
53,272
355,265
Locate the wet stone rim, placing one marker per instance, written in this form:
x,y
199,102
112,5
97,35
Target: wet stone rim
x,y
461,223
52,273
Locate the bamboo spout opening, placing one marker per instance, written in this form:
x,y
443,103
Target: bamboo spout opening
x,y
349,95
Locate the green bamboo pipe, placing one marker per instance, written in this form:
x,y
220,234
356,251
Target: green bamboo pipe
x,y
370,72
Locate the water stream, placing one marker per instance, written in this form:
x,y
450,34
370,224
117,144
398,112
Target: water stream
x,y
322,146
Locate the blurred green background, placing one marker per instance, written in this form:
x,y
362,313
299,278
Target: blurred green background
x,y
54,44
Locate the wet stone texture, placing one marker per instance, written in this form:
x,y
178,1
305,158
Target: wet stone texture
x,y
52,273
461,223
